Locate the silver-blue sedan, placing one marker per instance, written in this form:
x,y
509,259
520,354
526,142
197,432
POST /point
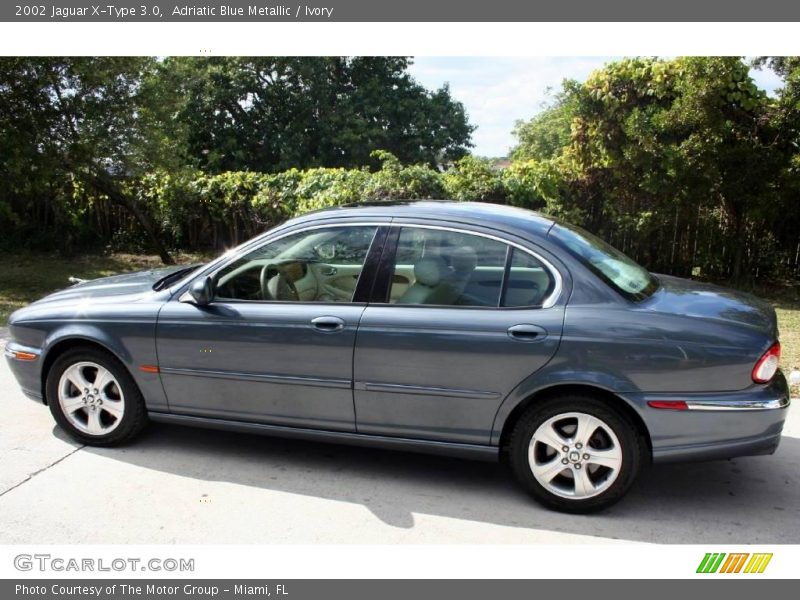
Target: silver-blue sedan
x,y
466,329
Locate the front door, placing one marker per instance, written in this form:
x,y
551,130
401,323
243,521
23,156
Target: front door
x,y
465,318
276,343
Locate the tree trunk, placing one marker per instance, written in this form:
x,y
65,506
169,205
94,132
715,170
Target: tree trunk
x,y
104,185
737,270
674,241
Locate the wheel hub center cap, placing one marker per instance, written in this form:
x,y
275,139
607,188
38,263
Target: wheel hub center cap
x,y
574,456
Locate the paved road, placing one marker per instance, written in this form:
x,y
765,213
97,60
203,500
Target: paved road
x,y
181,485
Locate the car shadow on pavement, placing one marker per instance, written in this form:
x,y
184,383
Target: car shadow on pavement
x,y
746,500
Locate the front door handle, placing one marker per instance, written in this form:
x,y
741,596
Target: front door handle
x,y
327,324
525,332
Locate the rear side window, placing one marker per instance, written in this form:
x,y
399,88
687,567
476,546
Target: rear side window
x,y
528,282
445,268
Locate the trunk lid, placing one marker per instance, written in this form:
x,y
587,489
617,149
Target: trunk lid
x,y
708,301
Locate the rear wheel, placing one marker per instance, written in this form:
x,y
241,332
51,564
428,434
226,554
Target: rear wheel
x,y
575,453
93,398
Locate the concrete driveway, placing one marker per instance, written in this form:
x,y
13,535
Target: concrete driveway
x,y
181,485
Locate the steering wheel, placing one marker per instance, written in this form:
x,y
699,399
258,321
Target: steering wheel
x,y
275,285
267,272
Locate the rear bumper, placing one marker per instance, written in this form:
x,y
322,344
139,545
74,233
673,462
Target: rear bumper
x,y
27,370
717,426
766,444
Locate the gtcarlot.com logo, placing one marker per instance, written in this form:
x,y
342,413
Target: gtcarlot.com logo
x,y
47,562
735,562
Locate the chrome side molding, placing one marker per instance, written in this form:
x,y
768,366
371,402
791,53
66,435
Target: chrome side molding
x,y
740,404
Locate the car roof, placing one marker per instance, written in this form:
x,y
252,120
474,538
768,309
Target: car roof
x,y
480,213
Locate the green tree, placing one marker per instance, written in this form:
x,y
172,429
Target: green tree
x,y
548,133
679,162
75,124
274,113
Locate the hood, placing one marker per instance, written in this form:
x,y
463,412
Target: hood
x,y
708,301
116,287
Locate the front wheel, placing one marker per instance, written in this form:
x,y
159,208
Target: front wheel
x,y
93,398
575,454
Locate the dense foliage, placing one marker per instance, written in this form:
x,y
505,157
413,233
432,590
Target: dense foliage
x,y
83,139
684,163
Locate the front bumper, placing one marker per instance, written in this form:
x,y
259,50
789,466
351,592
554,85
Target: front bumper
x,y
717,426
26,365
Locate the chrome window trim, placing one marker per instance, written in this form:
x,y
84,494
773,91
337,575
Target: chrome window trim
x,y
548,302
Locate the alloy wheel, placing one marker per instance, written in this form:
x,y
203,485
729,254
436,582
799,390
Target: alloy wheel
x,y
91,398
575,455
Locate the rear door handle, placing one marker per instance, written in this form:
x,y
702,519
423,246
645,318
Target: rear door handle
x,y
328,271
525,332
327,324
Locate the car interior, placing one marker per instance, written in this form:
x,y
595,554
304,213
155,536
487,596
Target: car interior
x,y
454,269
320,266
432,267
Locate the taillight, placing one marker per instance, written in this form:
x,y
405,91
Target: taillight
x,y
767,365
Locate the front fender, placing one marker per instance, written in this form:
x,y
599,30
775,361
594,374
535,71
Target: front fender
x,y
72,332
133,343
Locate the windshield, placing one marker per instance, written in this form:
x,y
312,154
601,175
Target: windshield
x,y
622,273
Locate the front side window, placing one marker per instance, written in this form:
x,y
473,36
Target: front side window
x,y
320,265
446,268
612,266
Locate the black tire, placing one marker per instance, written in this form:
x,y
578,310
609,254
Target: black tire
x,y
134,414
632,446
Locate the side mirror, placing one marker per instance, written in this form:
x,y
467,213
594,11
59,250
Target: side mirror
x,y
200,292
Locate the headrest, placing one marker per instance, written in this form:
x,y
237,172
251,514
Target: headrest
x,y
430,270
463,260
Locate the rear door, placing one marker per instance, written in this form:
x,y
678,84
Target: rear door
x,y
462,318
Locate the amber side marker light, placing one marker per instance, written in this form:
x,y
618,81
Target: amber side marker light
x,y
20,355
668,404
149,368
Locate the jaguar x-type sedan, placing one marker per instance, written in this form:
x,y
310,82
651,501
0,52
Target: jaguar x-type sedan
x,y
456,328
